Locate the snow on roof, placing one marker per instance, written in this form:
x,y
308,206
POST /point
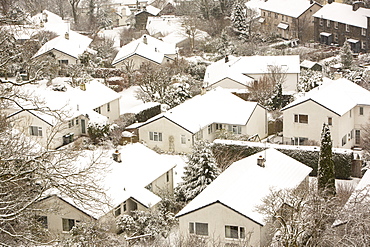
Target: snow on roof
x,y
293,8
308,64
73,101
216,106
163,24
154,49
360,196
140,166
180,35
150,9
238,68
343,13
331,94
139,108
254,182
255,5
74,46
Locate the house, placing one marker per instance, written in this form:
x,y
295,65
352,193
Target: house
x,y
66,48
240,72
71,111
341,104
144,50
201,118
170,29
58,215
137,180
309,65
143,12
226,210
122,16
336,23
291,19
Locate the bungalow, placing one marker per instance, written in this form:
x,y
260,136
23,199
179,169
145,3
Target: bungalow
x,y
341,104
201,118
226,210
66,49
240,72
58,215
291,19
72,109
136,180
144,50
336,23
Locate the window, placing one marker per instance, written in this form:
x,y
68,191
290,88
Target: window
x,y
336,38
76,121
264,13
235,129
363,31
357,137
328,23
299,118
299,141
108,107
218,126
124,206
183,139
321,22
167,177
361,111
234,232
363,45
198,228
35,131
43,220
336,25
97,110
155,136
347,28
71,123
330,121
344,140
276,15
117,211
210,129
63,62
68,224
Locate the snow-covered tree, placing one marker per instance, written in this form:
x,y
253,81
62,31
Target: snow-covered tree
x,y
200,171
346,57
308,80
325,173
238,17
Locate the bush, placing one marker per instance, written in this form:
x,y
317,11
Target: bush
x,y
98,133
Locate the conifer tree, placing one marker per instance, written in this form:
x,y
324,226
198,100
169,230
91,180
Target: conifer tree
x,y
346,55
200,171
238,17
325,174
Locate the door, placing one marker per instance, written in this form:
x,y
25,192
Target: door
x,y
83,126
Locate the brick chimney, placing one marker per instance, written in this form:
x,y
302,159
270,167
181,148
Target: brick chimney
x,y
145,40
331,1
261,161
226,58
66,35
358,4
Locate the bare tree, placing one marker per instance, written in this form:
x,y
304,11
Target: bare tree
x,y
74,5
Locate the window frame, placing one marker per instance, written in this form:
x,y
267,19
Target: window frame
x,y
299,118
330,121
336,25
363,31
155,136
64,224
347,28
108,107
327,23
357,137
183,139
35,130
361,111
237,233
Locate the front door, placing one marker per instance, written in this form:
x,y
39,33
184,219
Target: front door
x,y
83,126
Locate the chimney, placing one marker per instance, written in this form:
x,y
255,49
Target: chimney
x,y
203,91
358,4
226,58
330,1
145,40
261,161
83,86
66,35
117,156
311,1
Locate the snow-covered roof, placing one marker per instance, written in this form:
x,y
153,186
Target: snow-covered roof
x,y
343,13
163,24
254,182
74,46
293,8
180,35
140,166
238,68
74,101
154,49
255,5
339,96
150,9
216,106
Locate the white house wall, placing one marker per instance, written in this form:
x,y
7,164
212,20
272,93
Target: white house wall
x,y
112,112
163,183
169,131
217,216
228,84
257,124
62,56
134,62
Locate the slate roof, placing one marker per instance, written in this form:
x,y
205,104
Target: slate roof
x,y
343,13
